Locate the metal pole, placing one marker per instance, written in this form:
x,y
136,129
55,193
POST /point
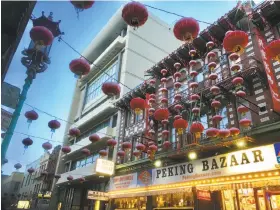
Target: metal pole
x,y
16,114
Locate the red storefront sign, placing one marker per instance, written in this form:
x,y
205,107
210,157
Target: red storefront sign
x,y
269,71
203,195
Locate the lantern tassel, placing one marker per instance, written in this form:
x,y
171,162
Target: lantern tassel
x,y
238,49
138,111
180,131
197,135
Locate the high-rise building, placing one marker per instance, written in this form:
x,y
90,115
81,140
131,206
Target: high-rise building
x,y
119,53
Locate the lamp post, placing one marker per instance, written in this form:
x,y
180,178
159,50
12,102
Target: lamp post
x,y
35,60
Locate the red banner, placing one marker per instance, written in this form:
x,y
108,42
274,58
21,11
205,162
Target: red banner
x,y
269,71
203,195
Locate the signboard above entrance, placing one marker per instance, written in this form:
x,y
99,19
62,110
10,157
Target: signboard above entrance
x,y
95,195
105,167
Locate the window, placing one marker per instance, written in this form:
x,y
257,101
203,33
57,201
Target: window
x,y
94,88
16,187
95,129
173,137
114,122
170,95
224,122
204,122
67,166
84,162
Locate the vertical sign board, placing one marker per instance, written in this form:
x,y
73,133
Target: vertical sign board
x,y
9,95
6,118
269,71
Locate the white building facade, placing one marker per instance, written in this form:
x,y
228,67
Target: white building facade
x,y
119,53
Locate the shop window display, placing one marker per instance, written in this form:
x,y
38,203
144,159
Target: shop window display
x,y
131,203
230,201
181,199
246,199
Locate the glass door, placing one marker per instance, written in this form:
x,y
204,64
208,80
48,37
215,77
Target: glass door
x,y
261,200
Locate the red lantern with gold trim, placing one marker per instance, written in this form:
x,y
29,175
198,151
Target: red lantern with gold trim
x,y
224,133
66,149
111,89
193,85
194,97
41,36
242,110
212,66
140,147
103,153
74,132
126,146
111,143
215,90
136,153
245,123
186,29
163,72
138,104
217,118
192,52
135,14
213,76
273,50
212,132
166,145
121,154
216,104
197,128
79,67
94,138
240,93
192,63
82,5
180,125
161,114
234,131
236,41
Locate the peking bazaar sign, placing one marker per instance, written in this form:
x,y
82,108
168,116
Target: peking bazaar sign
x,y
269,71
258,159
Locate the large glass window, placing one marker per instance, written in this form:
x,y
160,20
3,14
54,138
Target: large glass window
x,y
84,162
224,122
97,128
94,88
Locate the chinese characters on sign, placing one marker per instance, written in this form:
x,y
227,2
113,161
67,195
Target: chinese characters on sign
x,y
106,167
95,195
269,72
203,195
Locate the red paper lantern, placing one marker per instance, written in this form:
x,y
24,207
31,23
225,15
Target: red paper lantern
x,y
140,147
224,133
57,176
233,56
193,73
17,166
136,153
164,100
163,72
178,97
70,178
178,107
192,63
135,14
177,65
210,45
212,132
273,50
176,117
31,115
153,96
30,170
196,110
74,132
177,85
186,29
153,148
235,68
177,75
240,93
192,52
111,89
41,36
216,104
81,5
152,101
215,90
163,90
111,142
152,82
211,55
213,76
85,152
163,80
166,145
161,114
242,110
193,85
180,125
165,133
47,146
53,125
212,66
121,154
236,41
151,111
126,146
79,66
245,123
82,179
217,118
27,142
137,104
197,128
194,97
238,81
234,131
66,149
94,138
103,153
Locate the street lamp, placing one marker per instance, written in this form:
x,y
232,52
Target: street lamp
x,y
36,60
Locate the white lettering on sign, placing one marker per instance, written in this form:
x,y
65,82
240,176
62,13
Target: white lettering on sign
x,y
106,167
96,195
124,182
